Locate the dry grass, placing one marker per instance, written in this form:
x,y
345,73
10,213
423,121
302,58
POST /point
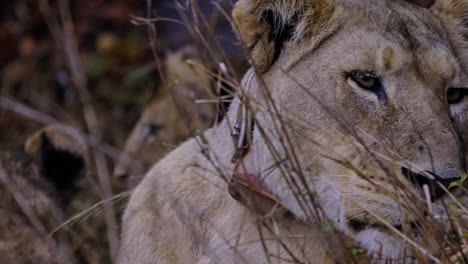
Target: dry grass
x,y
441,243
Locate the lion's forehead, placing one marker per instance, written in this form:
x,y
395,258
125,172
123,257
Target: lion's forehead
x,y
412,28
395,42
428,56
386,37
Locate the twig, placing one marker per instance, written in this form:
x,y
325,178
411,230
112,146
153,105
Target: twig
x,y
89,211
10,185
44,119
405,238
428,198
80,82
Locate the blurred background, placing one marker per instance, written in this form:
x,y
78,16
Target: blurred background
x,y
92,94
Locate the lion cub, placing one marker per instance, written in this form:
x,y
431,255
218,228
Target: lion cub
x,y
34,194
173,116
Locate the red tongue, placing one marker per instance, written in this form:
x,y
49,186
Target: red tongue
x,y
249,190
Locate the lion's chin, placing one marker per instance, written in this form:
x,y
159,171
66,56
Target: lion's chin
x,y
384,243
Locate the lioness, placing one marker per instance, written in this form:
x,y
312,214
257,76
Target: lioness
x,y
353,116
164,122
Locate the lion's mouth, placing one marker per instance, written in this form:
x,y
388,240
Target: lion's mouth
x,y
359,226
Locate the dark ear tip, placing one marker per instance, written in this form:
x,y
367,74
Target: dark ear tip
x,y
60,137
62,167
61,156
423,3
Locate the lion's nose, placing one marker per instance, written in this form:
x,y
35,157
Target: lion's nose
x,y
444,178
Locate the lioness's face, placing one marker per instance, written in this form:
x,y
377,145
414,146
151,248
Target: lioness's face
x,y
370,111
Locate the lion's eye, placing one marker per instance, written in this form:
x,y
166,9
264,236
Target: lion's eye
x,y
455,95
366,80
153,128
369,81
151,131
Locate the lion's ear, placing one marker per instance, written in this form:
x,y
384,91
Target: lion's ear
x,y
264,25
454,16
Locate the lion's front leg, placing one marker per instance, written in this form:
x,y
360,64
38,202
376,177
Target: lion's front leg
x,y
153,231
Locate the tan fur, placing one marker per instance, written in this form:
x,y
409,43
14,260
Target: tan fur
x,y
173,116
21,242
25,188
254,31
341,142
